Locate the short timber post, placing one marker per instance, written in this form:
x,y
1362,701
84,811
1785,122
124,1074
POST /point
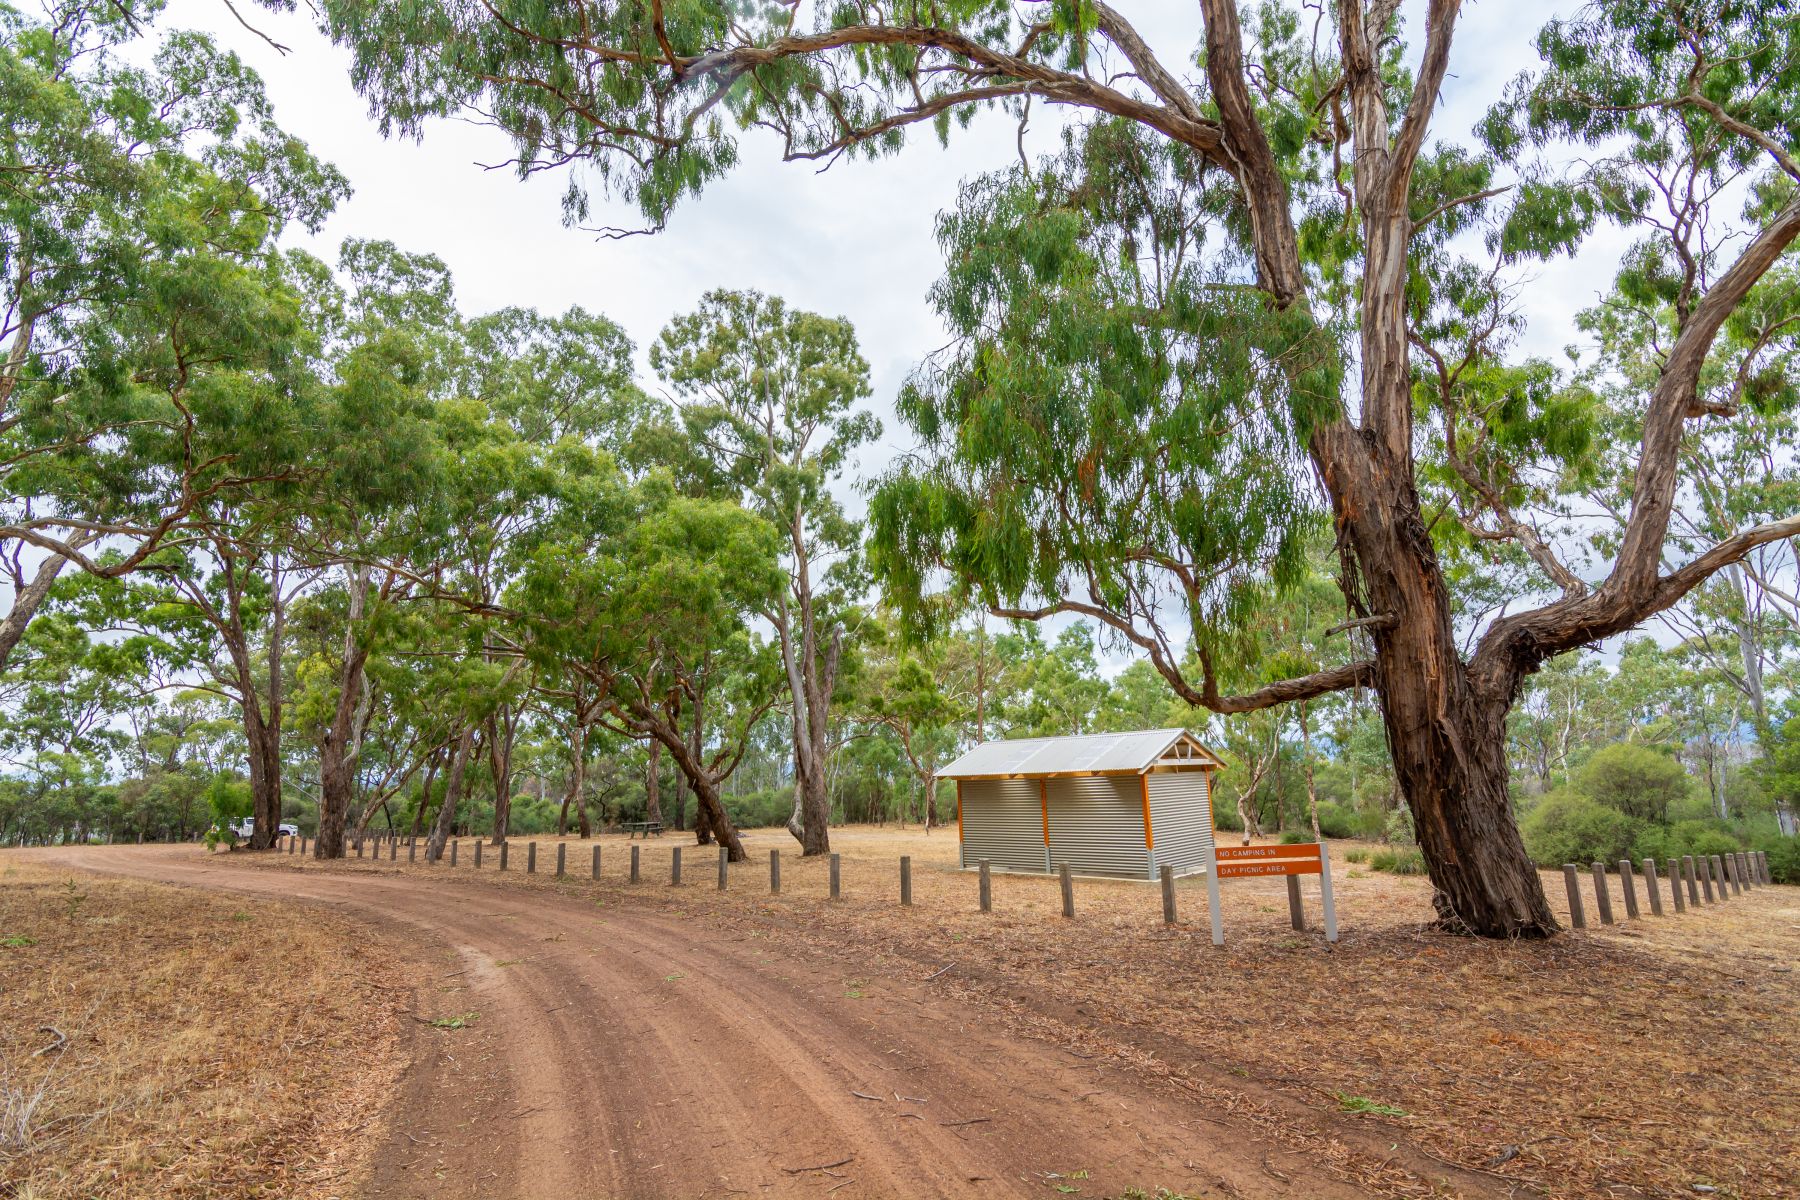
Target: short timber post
x,y
724,861
1628,884
1572,881
906,880
1213,906
412,850
303,843
562,850
478,854
1744,871
596,862
1675,892
1762,856
1687,875
1068,890
394,849
836,879
675,868
453,846
987,887
1703,868
774,872
1168,890
1653,887
1602,898
634,865
1296,911
505,853
359,850
531,858
1731,875
1325,898
1718,877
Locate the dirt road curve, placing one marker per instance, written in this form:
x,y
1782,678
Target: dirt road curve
x,y
622,1054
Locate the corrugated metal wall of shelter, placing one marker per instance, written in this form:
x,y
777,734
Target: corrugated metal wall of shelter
x,y
1097,826
1181,819
1003,822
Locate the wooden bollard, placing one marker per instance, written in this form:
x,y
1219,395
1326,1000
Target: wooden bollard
x,y
359,850
531,858
1731,875
906,880
1068,890
596,862
1653,887
1628,884
453,846
1168,890
478,854
1703,869
1296,910
724,863
505,853
1762,856
1602,898
1744,872
634,864
1675,892
1718,877
1572,880
412,850
303,843
837,879
1687,877
675,868
775,872
987,887
394,849
562,853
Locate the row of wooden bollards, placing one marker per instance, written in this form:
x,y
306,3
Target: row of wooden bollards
x,y
985,886
1715,877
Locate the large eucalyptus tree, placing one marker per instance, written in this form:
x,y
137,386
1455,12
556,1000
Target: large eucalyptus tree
x,y
1311,259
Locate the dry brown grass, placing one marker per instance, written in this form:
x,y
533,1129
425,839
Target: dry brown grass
x,y
204,1040
1653,1058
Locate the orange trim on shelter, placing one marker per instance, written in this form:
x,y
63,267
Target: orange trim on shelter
x,y
1044,802
1149,841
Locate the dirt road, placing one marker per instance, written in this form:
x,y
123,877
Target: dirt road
x,y
619,1053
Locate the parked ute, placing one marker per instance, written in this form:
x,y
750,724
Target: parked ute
x,y
247,826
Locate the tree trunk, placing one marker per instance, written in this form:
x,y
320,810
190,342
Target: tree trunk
x,y
1312,790
446,814
653,785
29,597
500,766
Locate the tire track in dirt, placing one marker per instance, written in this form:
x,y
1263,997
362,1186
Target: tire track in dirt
x,y
624,1054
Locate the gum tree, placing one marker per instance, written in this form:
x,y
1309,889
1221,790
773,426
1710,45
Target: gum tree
x,y
1316,240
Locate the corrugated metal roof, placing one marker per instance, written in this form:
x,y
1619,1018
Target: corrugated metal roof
x,y
1086,754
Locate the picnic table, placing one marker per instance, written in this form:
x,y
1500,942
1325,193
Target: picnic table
x,y
633,828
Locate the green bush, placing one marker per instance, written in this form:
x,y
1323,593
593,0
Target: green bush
x,y
1784,856
1635,780
1336,821
1225,815
1356,855
1399,827
1398,862
1569,828
1295,837
1702,837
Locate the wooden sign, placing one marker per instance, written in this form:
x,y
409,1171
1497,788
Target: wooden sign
x,y
1291,861
1241,862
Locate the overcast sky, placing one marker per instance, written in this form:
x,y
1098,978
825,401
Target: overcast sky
x,y
855,241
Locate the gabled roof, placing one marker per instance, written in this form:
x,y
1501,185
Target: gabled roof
x,y
1086,754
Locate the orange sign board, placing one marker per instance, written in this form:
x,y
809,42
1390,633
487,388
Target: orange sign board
x,y
1305,850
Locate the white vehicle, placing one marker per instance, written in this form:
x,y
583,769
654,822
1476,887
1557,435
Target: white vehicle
x,y
247,826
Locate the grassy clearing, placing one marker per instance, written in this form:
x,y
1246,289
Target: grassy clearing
x,y
1651,1056
164,1041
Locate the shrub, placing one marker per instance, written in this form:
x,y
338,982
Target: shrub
x,y
1357,855
1336,821
1635,780
1225,815
1784,857
1398,862
1399,828
1295,837
1567,828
